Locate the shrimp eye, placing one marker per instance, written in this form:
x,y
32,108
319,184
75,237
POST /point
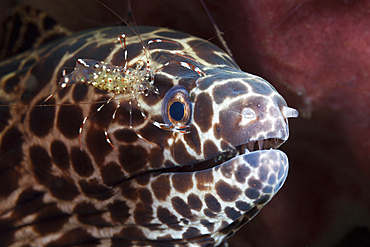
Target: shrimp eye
x,y
176,107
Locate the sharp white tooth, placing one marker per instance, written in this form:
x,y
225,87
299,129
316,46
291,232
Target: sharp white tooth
x,y
260,144
289,112
250,146
246,151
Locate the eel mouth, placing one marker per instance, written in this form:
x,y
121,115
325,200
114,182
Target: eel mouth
x,y
252,146
232,152
243,149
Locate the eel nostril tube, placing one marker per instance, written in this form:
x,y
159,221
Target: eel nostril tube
x,y
289,112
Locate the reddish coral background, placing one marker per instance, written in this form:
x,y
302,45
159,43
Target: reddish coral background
x,y
317,55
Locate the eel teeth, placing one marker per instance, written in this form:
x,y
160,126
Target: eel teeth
x,y
250,146
260,144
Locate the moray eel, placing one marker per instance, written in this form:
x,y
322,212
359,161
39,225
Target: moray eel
x,y
186,161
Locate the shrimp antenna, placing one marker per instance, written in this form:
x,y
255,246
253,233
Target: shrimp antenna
x,y
133,17
218,32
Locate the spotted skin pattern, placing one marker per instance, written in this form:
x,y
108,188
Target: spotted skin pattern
x,y
192,189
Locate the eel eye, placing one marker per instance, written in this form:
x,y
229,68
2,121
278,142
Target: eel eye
x,y
176,108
